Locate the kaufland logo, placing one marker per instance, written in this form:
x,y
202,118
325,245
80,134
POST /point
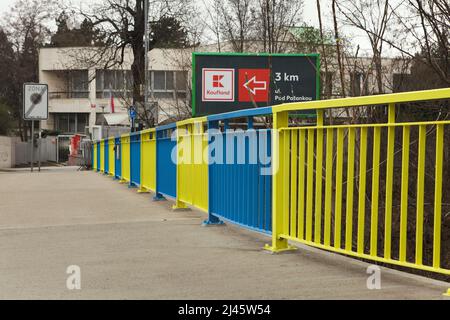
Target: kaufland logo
x,y
218,85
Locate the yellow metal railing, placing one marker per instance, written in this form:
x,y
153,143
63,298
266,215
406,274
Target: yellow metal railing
x,y
94,156
102,156
125,160
148,160
111,157
329,181
192,168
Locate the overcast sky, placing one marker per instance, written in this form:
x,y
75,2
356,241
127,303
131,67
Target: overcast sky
x,y
309,17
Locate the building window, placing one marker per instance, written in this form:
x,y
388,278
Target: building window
x,y
71,123
76,85
168,84
119,82
162,84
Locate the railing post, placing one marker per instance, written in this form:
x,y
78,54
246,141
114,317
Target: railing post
x,y
280,183
180,205
212,219
144,139
158,196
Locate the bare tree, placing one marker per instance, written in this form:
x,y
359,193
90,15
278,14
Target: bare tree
x,y
26,26
273,20
372,17
237,22
213,20
338,50
121,25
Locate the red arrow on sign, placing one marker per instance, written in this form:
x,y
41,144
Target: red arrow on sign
x,y
253,85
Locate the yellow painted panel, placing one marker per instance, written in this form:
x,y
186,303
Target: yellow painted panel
x,y
192,170
111,158
148,161
94,157
102,156
125,144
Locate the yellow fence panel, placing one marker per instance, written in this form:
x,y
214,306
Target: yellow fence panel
x,y
347,188
148,160
192,168
111,158
125,144
94,156
102,156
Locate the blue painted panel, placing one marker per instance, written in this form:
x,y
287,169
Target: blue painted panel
x,y
241,188
135,159
166,169
98,155
118,159
241,114
106,157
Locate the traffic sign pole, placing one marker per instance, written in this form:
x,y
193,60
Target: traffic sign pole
x,y
35,108
39,149
32,146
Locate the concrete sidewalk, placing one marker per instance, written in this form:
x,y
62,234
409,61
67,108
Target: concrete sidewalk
x,y
129,247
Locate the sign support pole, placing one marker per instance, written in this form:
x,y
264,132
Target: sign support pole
x,y
39,149
32,145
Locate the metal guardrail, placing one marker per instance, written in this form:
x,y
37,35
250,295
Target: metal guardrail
x,y
311,202
332,185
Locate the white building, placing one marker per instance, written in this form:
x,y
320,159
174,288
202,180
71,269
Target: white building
x,y
80,91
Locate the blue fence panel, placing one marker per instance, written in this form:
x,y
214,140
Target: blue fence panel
x,y
242,193
118,159
166,169
106,156
135,159
240,178
98,155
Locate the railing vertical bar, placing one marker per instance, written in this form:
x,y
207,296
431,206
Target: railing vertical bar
x,y
339,178
328,187
389,183
286,167
301,184
420,193
310,185
362,189
404,193
294,185
350,189
375,192
319,172
438,196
